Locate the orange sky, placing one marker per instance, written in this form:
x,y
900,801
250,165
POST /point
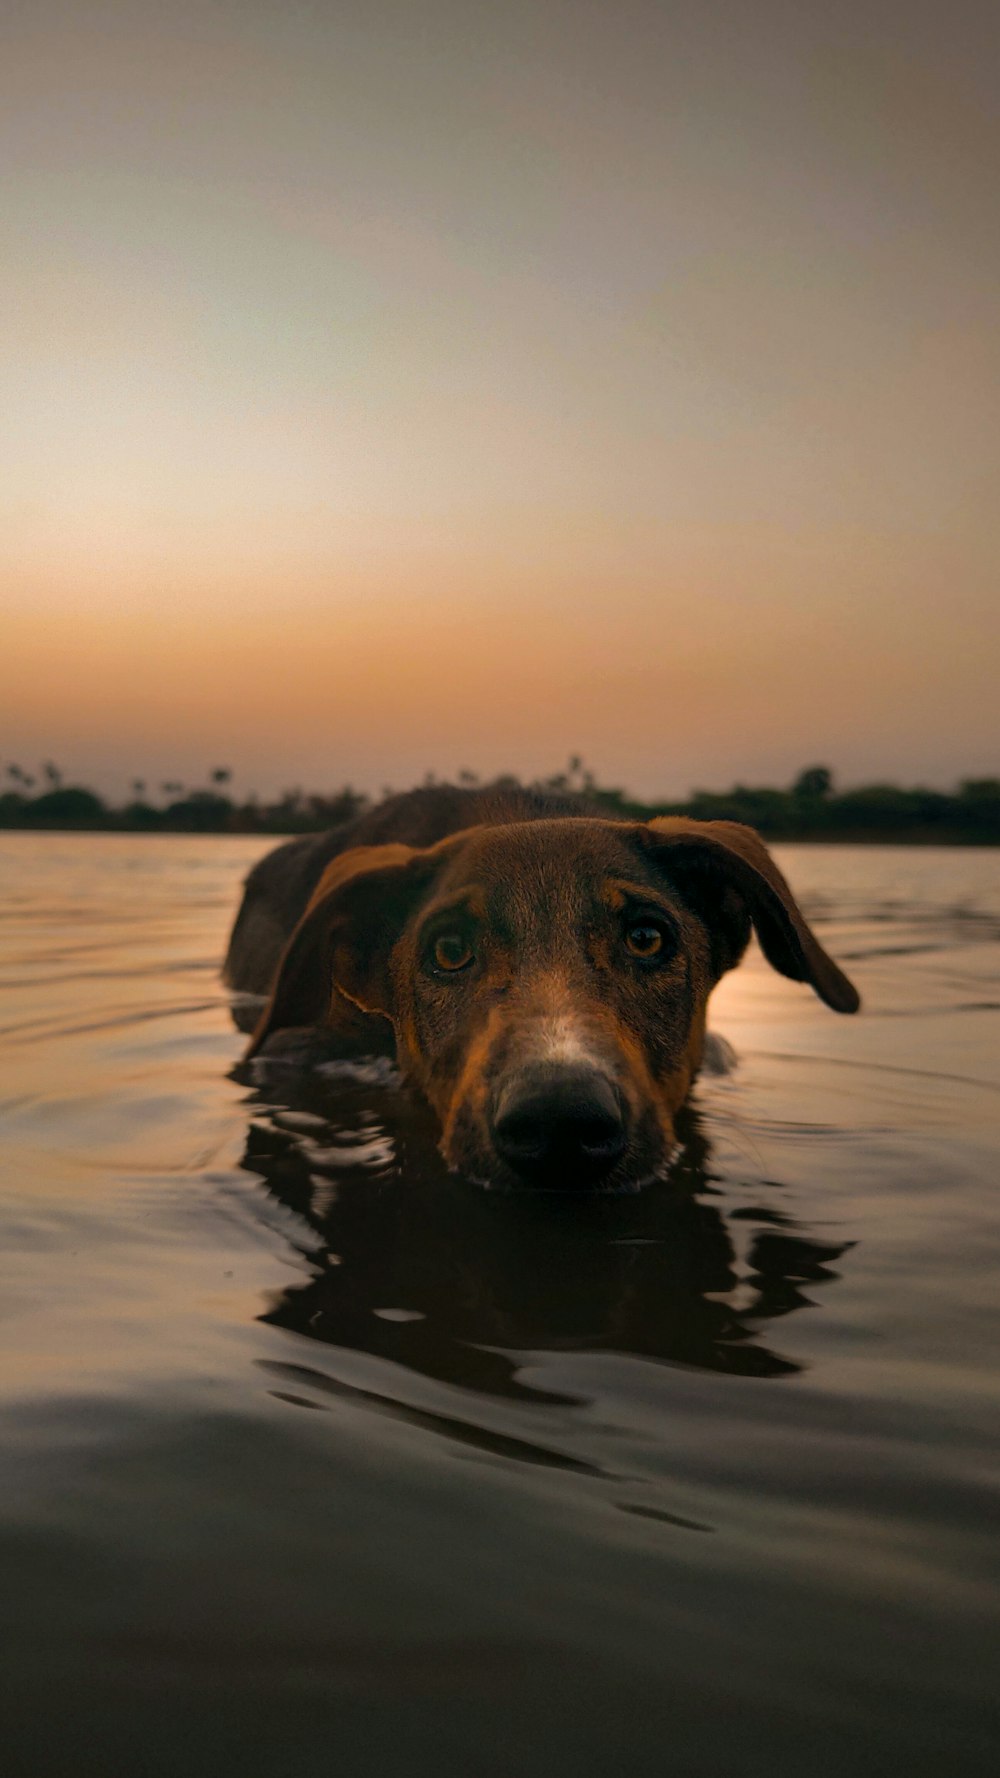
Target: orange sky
x,y
394,388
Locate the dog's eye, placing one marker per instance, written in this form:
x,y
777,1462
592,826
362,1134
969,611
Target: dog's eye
x,y
451,951
645,939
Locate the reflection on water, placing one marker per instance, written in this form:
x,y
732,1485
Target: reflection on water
x,y
419,1268
316,1457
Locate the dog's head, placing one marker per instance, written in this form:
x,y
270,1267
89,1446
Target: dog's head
x,y
547,980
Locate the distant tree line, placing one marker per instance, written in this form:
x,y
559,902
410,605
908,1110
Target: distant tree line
x,y
809,809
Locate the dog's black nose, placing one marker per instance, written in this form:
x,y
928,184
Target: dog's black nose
x,y
560,1126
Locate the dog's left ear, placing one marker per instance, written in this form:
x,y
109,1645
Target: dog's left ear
x,y
733,861
344,940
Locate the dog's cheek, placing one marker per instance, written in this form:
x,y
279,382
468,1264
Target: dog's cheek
x,y
655,1139
465,1085
465,1141
429,1045
414,1031
408,1049
659,1007
682,1055
666,1015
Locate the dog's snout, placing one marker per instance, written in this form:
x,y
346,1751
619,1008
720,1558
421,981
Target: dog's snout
x,y
560,1126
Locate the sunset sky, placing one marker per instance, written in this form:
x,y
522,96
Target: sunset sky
x,y
412,384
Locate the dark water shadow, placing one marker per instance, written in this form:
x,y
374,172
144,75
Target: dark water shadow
x,y
410,1264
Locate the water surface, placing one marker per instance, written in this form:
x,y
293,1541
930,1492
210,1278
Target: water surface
x,y
316,1460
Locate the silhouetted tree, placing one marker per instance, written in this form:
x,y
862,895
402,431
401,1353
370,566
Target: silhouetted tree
x,y
811,809
815,781
66,807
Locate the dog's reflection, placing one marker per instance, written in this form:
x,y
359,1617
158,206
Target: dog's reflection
x,y
413,1265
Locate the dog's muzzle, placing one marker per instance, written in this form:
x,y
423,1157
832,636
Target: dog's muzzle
x,y
559,1126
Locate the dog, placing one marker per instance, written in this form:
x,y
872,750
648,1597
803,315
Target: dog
x,y
540,971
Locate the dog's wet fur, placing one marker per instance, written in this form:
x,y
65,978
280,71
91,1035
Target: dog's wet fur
x,y
542,974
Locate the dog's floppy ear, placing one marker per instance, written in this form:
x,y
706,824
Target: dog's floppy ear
x,y
345,937
736,859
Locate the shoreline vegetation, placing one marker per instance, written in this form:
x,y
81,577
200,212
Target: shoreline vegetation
x,y
811,808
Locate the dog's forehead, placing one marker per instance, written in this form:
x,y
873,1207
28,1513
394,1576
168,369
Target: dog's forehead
x,y
544,866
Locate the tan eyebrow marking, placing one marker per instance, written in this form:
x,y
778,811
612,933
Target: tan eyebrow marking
x,y
471,900
616,894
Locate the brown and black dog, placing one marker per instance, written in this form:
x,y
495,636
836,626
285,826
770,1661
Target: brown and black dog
x,y
542,974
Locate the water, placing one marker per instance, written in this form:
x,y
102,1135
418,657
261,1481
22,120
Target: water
x,y
316,1461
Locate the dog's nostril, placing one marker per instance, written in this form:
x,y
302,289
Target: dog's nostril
x,y
560,1124
600,1135
521,1133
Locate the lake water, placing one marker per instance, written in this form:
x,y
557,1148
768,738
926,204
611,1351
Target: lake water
x,y
316,1461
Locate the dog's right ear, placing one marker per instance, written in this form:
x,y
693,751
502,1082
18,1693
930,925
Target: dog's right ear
x,y
726,853
344,940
